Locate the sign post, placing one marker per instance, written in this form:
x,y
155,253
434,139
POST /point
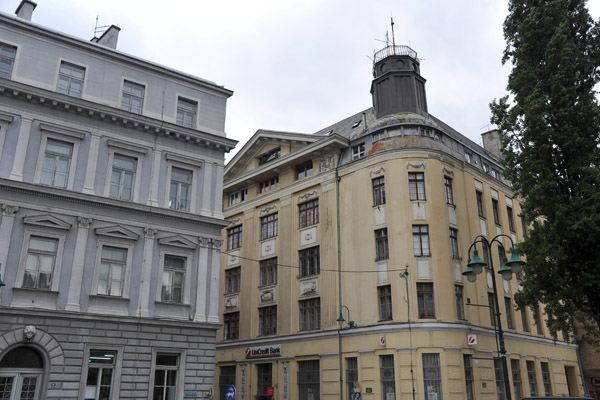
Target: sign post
x,y
230,393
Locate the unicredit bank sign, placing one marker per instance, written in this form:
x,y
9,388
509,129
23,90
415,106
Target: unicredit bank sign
x,y
263,351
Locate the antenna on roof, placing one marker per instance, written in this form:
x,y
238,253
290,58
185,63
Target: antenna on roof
x,y
393,36
99,29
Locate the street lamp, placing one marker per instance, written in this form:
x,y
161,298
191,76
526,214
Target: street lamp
x,y
475,266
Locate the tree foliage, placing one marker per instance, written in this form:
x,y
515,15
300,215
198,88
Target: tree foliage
x,y
550,129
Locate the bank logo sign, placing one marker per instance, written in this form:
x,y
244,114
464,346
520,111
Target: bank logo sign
x,y
263,351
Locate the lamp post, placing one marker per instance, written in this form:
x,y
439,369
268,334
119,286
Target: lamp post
x,y
475,267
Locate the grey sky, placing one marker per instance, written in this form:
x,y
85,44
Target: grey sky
x,y
301,65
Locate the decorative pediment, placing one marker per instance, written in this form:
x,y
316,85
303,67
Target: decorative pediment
x,y
49,221
177,241
117,232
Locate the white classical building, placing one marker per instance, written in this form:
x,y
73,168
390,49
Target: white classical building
x,y
111,194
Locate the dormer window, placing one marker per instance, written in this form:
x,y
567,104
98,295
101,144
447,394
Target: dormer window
x,y
270,156
358,151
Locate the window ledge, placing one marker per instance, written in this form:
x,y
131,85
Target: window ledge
x,y
268,286
307,277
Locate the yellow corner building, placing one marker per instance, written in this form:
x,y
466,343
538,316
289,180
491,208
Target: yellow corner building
x,y
345,253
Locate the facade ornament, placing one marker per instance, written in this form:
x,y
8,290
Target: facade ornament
x,y
307,195
235,221
9,211
28,333
215,243
267,296
447,171
150,233
417,166
203,241
326,163
84,222
231,302
380,170
269,208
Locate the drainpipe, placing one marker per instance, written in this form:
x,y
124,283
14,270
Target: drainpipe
x,y
339,262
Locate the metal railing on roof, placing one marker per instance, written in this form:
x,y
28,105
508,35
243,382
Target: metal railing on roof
x,y
398,50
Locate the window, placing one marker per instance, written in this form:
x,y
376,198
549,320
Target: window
x,y
304,170
532,378
421,240
381,245
525,320
485,254
538,320
469,379
234,237
70,79
231,326
226,378
468,157
351,376
268,226
133,97
268,272
165,376
310,314
388,381
432,376
511,220
186,113
180,190
123,177
111,276
264,380
546,379
448,190
486,168
416,185
309,213
509,313
460,304
269,184
56,164
7,59
479,197
309,261
173,277
384,293
238,197
101,364
425,300
499,372
501,255
378,136
492,308
496,212
22,369
232,280
358,151
267,317
454,243
270,156
41,259
309,380
378,191
515,367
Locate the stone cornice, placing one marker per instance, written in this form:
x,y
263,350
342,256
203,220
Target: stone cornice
x,y
100,112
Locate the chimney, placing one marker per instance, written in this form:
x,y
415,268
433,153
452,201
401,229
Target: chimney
x,y
492,143
109,38
25,9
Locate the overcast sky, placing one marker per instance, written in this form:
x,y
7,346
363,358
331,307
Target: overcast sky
x,y
301,65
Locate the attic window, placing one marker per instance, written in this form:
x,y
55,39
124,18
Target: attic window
x,y
329,133
356,124
358,151
270,156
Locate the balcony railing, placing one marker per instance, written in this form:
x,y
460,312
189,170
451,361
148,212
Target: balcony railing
x,y
400,50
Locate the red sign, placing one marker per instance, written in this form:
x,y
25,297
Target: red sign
x,y
472,340
264,351
270,391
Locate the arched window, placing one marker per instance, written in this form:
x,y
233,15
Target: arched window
x,y
21,372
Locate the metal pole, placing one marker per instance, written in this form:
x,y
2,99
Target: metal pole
x,y
339,261
507,388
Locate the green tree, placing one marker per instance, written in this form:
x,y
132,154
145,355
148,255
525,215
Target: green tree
x,y
550,129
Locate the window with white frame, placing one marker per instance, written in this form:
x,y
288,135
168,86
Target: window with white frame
x,y
133,97
416,185
166,367
40,263
7,60
180,189
111,274
238,197
173,278
186,113
56,163
122,178
70,79
100,374
358,151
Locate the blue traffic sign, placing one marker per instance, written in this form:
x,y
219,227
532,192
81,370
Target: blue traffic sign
x,y
230,393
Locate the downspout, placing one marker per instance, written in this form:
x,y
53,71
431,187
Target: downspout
x,y
339,262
